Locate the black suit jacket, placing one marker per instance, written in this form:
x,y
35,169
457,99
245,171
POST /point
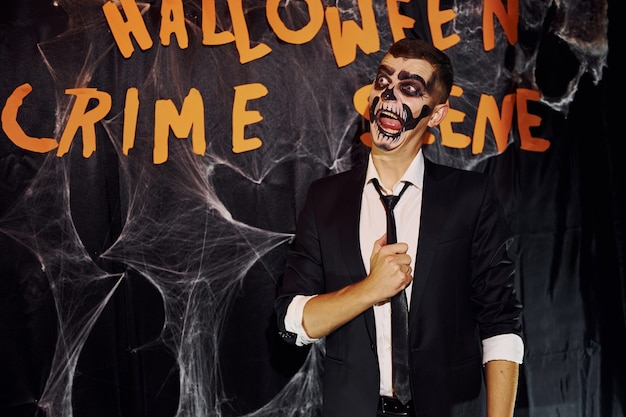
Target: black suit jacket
x,y
463,289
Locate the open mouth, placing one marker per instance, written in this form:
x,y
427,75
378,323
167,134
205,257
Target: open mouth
x,y
389,123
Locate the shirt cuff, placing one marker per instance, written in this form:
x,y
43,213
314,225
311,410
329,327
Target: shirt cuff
x,y
508,347
293,319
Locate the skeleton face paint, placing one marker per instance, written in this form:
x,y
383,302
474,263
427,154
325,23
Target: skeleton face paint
x,y
399,100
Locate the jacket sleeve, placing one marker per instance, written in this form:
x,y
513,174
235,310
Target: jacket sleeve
x,y
303,272
497,307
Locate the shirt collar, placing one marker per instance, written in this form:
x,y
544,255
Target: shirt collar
x,y
414,174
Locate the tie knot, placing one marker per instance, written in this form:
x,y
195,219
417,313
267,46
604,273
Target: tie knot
x,y
389,201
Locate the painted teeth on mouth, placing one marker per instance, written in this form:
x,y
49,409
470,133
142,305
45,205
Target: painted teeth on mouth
x,y
389,114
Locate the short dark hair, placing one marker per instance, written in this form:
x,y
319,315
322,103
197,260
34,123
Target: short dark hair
x,y
413,48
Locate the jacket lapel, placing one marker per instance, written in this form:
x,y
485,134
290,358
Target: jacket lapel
x,y
436,204
351,194
348,216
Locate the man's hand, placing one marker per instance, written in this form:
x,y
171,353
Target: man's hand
x,y
390,269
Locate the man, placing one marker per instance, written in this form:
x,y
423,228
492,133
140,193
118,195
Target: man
x,y
450,261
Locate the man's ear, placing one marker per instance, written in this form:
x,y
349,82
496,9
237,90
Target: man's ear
x,y
439,113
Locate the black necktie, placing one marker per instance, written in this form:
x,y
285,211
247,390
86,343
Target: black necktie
x,y
399,310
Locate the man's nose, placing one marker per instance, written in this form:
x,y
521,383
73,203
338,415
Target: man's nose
x,y
388,94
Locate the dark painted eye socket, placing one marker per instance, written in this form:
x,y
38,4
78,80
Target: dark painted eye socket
x,y
381,82
412,89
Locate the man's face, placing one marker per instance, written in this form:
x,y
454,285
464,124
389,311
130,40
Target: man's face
x,y
400,98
